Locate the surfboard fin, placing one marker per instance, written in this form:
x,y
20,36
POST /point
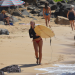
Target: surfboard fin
x,y
50,41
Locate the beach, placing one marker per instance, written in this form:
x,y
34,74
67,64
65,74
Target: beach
x,y
17,47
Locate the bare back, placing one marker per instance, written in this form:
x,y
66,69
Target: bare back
x,y
46,10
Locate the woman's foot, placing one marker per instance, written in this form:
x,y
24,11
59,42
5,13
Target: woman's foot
x,y
39,63
37,60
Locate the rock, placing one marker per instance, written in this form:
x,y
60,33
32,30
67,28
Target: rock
x,y
14,19
12,68
1,23
25,12
40,14
62,9
21,6
51,1
70,2
53,6
64,1
41,6
31,8
4,31
1,73
41,3
17,14
62,20
34,12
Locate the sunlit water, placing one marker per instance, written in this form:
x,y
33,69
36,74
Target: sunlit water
x,y
68,69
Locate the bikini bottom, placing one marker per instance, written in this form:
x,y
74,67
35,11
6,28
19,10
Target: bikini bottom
x,y
47,14
37,41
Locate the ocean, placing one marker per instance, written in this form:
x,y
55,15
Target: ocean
x,y
68,69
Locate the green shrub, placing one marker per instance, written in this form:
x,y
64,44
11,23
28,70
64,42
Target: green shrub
x,y
58,0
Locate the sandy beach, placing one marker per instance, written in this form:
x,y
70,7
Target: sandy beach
x,y
17,47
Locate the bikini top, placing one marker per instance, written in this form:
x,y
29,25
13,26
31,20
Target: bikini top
x,y
46,13
71,15
32,34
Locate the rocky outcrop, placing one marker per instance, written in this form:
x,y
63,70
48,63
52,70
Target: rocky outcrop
x,y
62,20
4,31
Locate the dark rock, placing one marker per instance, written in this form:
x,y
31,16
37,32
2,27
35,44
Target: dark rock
x,y
70,2
51,1
41,6
34,12
14,19
17,14
64,1
21,6
42,2
53,6
1,73
31,8
40,14
12,68
59,4
62,9
25,12
4,31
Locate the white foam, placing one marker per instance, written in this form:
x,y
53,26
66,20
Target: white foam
x,y
58,69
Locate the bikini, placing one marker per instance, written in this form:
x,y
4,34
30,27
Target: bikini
x,y
32,34
37,41
47,13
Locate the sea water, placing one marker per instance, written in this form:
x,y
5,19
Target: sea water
x,y
68,69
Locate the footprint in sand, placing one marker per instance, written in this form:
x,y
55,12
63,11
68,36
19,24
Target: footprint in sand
x,y
60,58
1,63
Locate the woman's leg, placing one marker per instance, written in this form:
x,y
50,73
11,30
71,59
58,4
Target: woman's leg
x,y
46,21
35,48
7,19
71,25
40,51
49,21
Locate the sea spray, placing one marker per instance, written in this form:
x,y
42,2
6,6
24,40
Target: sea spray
x,y
58,69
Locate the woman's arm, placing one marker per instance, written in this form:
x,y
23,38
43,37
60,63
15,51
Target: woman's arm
x,y
30,34
67,14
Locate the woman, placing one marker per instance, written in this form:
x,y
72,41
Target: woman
x,y
70,16
5,17
37,42
47,13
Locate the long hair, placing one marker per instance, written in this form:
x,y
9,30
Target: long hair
x,y
31,26
46,5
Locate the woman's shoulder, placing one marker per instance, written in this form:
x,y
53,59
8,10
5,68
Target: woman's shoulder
x,y
30,30
49,7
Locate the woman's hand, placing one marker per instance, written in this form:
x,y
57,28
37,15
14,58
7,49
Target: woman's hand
x,y
37,35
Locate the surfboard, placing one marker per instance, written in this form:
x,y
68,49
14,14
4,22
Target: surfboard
x,y
43,31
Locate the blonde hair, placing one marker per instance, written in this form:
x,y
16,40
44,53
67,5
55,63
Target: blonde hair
x,y
32,22
3,11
